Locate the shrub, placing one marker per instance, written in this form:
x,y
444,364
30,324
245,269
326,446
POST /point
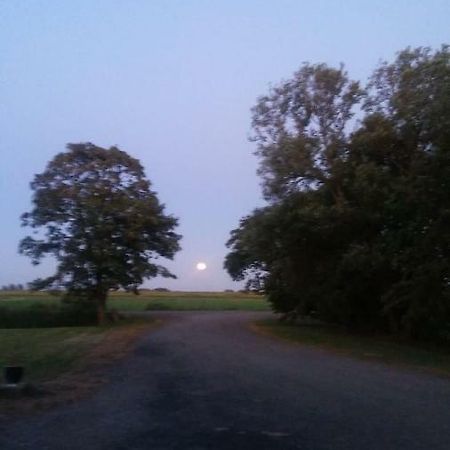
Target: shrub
x,y
46,316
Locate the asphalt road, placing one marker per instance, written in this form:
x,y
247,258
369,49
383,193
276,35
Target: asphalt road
x,y
206,381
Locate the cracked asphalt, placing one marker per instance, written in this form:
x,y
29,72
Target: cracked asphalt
x,y
204,380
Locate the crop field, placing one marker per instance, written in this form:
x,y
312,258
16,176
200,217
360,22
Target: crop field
x,y
151,301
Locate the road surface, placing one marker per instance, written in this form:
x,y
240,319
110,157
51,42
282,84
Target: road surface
x,y
206,381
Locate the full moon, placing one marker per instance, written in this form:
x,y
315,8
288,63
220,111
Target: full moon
x,y
201,266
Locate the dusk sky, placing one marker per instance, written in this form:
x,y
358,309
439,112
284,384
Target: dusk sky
x,y
172,84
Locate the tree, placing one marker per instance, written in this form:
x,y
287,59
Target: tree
x,y
302,133
95,212
413,95
357,225
301,129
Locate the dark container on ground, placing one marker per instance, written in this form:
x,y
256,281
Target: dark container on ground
x,y
13,374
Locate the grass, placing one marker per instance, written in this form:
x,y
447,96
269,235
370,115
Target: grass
x,y
385,349
46,352
208,302
151,300
23,300
65,364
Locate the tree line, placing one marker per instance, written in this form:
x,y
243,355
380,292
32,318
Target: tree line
x,y
356,230
12,287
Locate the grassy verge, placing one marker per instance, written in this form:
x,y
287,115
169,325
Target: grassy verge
x,y
49,352
46,352
65,363
383,349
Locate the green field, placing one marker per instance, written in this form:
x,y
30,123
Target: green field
x,y
154,301
385,349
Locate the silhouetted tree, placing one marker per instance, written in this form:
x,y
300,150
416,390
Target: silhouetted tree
x,y
102,222
356,230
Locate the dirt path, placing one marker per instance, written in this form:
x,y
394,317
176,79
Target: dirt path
x,y
205,381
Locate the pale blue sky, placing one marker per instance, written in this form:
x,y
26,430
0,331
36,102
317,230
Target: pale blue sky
x,y
172,83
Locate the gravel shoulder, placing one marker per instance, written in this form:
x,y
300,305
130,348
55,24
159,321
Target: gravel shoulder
x,y
204,380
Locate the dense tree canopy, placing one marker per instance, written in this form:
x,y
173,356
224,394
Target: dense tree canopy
x,y
301,129
95,212
357,226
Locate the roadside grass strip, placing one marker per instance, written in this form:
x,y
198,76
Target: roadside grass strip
x,y
385,349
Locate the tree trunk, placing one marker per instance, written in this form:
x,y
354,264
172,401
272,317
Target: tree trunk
x,y
338,196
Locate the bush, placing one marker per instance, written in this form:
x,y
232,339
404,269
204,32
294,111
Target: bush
x,y
47,316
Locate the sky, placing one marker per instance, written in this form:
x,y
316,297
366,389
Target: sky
x,y
172,82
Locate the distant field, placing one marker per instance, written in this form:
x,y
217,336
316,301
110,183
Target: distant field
x,y
151,300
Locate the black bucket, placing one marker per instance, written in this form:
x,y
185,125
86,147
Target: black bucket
x,y
13,374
